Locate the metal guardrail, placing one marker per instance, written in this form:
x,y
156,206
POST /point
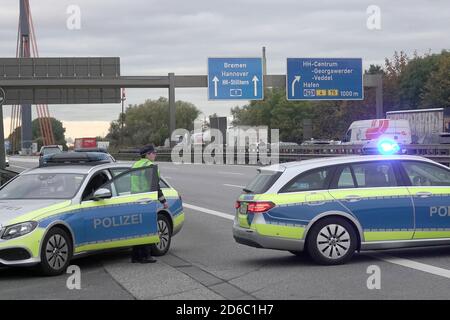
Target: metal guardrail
x,y
439,153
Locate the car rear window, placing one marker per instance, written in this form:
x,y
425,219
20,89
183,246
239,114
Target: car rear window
x,y
262,181
47,151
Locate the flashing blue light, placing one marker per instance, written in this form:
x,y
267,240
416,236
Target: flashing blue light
x,y
388,147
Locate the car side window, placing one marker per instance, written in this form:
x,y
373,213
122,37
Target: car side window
x,y
133,181
374,174
116,171
426,174
312,180
346,179
96,181
163,184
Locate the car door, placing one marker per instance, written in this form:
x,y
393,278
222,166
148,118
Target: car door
x,y
126,218
429,185
303,198
374,194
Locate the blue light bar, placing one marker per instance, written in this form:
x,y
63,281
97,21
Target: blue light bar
x,y
387,147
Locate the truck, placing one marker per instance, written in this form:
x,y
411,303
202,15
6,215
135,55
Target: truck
x,y
85,143
428,126
364,131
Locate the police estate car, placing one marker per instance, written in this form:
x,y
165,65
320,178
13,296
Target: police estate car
x,y
332,207
50,214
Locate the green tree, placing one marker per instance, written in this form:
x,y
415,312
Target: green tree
x,y
413,79
58,134
149,123
391,80
436,92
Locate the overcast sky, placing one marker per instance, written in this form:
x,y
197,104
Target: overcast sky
x,y
154,37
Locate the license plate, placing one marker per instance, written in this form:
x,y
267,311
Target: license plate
x,y
243,208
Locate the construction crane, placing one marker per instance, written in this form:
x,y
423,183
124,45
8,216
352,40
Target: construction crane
x,y
21,116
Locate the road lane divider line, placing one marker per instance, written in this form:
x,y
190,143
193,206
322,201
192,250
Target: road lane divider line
x,y
24,168
209,211
234,186
19,159
235,173
412,264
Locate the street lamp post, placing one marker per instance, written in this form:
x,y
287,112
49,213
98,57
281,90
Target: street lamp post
x,y
122,116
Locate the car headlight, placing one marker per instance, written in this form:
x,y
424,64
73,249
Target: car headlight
x,y
18,230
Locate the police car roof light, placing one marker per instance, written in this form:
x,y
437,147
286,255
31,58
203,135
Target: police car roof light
x,y
388,147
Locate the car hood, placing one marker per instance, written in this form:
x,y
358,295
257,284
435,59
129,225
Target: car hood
x,y
15,211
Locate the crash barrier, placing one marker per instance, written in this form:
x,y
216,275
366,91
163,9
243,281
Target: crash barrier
x,y
437,152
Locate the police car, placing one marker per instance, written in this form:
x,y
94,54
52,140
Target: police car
x,y
50,214
332,207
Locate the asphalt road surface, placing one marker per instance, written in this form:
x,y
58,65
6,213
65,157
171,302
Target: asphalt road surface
x,y
206,263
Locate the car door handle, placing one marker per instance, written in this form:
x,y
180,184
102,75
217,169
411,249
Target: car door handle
x,y
352,198
144,201
424,194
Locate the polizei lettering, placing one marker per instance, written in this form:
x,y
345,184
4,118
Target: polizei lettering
x,y
440,211
113,222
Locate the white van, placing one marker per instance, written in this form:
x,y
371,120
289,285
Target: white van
x,y
363,131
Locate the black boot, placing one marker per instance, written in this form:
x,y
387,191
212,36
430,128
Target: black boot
x,y
148,259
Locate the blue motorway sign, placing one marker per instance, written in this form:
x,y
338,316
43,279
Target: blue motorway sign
x,y
235,79
324,79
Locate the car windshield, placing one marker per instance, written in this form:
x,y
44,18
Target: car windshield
x,y
43,186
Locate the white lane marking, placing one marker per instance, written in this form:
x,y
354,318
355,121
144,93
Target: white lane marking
x,y
235,173
412,264
167,168
12,165
209,211
20,159
234,186
214,165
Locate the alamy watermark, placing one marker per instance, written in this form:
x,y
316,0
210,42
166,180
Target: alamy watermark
x,y
74,280
374,17
374,280
73,21
240,145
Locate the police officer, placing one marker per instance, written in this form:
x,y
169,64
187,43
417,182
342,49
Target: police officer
x,y
142,253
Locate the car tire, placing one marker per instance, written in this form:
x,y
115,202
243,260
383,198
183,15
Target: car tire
x,y
165,237
332,241
56,252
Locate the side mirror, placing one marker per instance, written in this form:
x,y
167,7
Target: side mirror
x,y
102,194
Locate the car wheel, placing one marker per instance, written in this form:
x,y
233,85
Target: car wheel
x,y
165,236
56,252
332,241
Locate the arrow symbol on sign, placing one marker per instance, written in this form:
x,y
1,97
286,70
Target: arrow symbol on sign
x,y
297,79
215,80
255,85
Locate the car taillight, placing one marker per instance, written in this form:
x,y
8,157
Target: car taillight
x,y
237,205
258,207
